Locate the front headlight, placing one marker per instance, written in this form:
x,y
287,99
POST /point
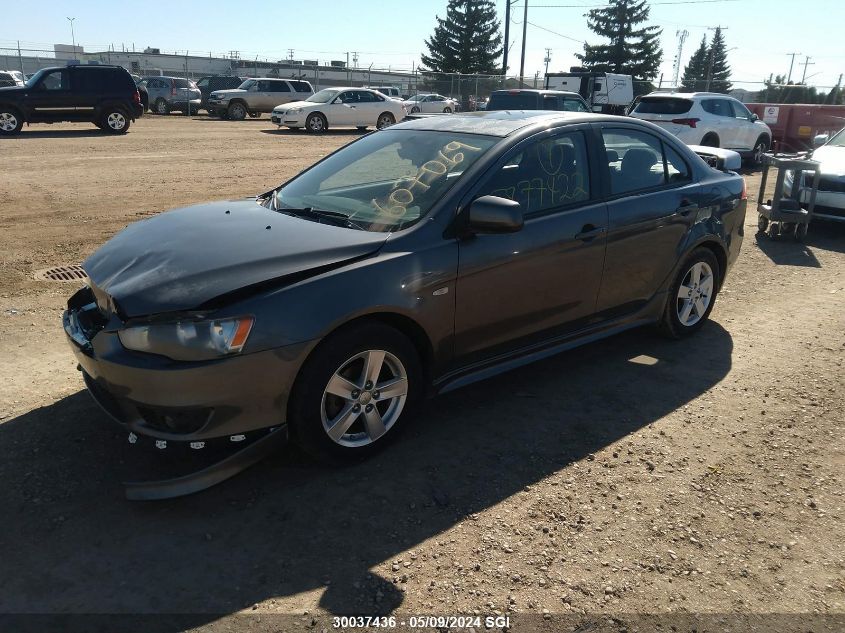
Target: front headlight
x,y
295,111
189,340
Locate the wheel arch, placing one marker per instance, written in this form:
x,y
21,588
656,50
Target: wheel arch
x,y
10,105
718,249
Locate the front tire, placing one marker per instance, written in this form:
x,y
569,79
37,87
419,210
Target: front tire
x,y
316,123
692,294
354,391
760,148
236,111
11,122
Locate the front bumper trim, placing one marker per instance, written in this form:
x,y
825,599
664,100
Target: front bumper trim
x,y
210,476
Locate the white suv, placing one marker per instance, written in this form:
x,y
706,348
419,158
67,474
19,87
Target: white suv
x,y
707,118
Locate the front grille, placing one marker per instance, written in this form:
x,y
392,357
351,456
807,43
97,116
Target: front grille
x,y
181,421
834,184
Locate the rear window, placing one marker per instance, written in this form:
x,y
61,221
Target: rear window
x,y
663,105
513,101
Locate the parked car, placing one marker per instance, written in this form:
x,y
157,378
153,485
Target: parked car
x,y
209,84
11,78
830,196
340,107
142,90
707,118
255,96
387,91
409,262
104,95
169,94
537,100
430,104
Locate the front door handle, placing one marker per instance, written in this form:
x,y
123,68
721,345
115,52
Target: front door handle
x,y
589,232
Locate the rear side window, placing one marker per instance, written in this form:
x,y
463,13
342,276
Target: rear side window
x,y
637,160
278,86
663,105
573,105
181,83
677,169
718,107
301,86
96,80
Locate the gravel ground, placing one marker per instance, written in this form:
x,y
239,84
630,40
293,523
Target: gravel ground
x,y
632,476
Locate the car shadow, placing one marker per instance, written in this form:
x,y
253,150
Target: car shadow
x,y
73,544
29,133
329,133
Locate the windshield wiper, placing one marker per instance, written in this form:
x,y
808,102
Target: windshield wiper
x,y
335,217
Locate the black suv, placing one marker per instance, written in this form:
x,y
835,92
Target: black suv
x,y
529,99
207,85
104,95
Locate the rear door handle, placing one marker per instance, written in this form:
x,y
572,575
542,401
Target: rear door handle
x,y
589,232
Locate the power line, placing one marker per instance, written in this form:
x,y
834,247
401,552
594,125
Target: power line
x,y
601,6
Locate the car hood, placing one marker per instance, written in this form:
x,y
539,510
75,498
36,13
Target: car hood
x,y
184,258
230,92
296,104
12,89
832,159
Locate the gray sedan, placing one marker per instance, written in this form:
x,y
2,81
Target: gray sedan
x,y
411,262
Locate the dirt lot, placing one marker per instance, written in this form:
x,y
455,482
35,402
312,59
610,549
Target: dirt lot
x,y
631,476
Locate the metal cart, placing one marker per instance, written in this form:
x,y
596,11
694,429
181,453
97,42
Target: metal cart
x,y
783,213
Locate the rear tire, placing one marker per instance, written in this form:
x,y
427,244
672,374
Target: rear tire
x,y
385,119
762,223
254,115
114,121
447,110
161,106
710,140
339,365
11,122
800,232
692,294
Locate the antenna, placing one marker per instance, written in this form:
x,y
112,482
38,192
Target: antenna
x,y
676,70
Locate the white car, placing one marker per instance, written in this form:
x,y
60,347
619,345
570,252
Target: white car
x,y
830,197
340,107
430,104
707,118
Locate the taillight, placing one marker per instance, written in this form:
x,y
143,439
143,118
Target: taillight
x,y
137,98
744,194
690,122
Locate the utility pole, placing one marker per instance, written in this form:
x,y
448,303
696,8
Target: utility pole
x,y
676,71
507,37
807,62
355,59
524,33
290,54
791,62
20,59
72,36
547,59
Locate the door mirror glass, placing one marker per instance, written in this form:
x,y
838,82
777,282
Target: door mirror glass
x,y
492,214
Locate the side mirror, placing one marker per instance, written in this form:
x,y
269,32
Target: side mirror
x,y
492,214
819,140
754,117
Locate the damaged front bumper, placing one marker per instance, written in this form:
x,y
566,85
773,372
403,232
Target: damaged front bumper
x,y
239,400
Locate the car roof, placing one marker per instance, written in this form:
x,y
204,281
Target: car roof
x,y
567,93
687,95
501,122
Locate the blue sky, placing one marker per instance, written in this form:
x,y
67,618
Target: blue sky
x,y
384,33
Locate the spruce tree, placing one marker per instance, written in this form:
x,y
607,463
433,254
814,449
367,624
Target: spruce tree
x,y
717,69
466,41
695,71
631,51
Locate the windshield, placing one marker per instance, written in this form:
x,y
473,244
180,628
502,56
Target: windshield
x,y
838,140
417,98
324,96
36,78
388,180
249,83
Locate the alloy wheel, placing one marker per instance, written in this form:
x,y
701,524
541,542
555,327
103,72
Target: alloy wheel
x,y
8,122
116,121
384,121
364,398
315,124
695,294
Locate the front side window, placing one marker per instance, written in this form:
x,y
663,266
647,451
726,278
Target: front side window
x,y
637,160
573,105
550,102
544,175
203,83
386,181
55,80
740,111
